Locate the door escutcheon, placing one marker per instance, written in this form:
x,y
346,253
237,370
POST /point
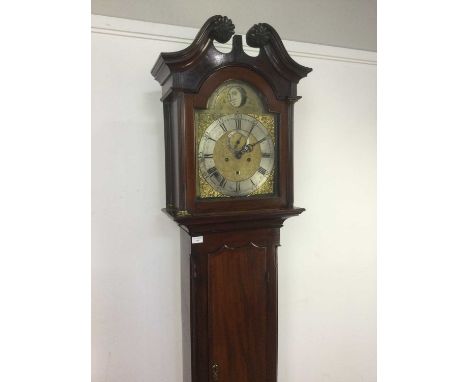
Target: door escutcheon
x,y
214,371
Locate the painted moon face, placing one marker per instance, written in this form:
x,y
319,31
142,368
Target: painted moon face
x,y
236,96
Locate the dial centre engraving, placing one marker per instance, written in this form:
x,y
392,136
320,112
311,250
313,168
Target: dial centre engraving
x,y
230,164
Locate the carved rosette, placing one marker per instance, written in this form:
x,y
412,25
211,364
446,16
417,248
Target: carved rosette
x,y
259,35
223,29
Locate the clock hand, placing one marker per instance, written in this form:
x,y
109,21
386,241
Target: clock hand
x,y
250,132
248,147
256,143
244,148
232,143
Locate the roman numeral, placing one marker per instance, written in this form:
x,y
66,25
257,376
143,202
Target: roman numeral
x,y
222,182
253,183
238,121
262,171
208,137
222,125
266,155
237,186
212,171
207,156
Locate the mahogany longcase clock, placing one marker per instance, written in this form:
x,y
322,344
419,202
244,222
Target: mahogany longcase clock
x,y
228,121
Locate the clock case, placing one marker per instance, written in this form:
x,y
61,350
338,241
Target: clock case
x,y
228,245
188,78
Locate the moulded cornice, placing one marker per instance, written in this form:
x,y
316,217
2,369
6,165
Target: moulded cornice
x,y
201,59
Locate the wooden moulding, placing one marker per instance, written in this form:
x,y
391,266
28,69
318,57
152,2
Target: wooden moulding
x,y
233,220
187,69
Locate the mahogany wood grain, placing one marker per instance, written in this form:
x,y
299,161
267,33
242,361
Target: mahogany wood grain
x,y
237,295
234,311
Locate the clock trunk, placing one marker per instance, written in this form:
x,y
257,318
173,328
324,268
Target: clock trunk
x,y
233,295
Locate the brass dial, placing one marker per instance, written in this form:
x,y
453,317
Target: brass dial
x,y
236,154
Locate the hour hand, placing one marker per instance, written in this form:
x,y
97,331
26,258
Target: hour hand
x,y
235,140
247,148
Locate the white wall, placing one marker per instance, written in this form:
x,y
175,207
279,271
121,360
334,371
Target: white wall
x,y
350,24
327,304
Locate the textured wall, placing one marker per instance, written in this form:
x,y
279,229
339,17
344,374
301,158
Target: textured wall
x,y
346,23
327,307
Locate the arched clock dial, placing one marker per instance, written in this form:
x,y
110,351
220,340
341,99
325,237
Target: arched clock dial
x,y
236,154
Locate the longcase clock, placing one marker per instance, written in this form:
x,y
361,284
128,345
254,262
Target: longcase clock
x,y
228,120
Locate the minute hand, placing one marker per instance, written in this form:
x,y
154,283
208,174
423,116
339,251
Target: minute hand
x,y
256,143
250,132
247,148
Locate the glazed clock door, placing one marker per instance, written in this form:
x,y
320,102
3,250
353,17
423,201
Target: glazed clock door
x,y
238,298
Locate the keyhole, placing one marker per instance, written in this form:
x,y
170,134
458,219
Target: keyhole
x,y
214,371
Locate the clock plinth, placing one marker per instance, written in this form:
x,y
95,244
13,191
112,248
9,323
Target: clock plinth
x,y
228,121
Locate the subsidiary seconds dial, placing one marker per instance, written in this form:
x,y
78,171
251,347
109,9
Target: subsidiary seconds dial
x,y
236,155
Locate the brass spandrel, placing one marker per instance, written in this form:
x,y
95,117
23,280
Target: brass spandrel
x,y
267,188
203,120
205,190
267,120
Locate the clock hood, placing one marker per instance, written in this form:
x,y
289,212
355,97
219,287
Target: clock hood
x,y
187,69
